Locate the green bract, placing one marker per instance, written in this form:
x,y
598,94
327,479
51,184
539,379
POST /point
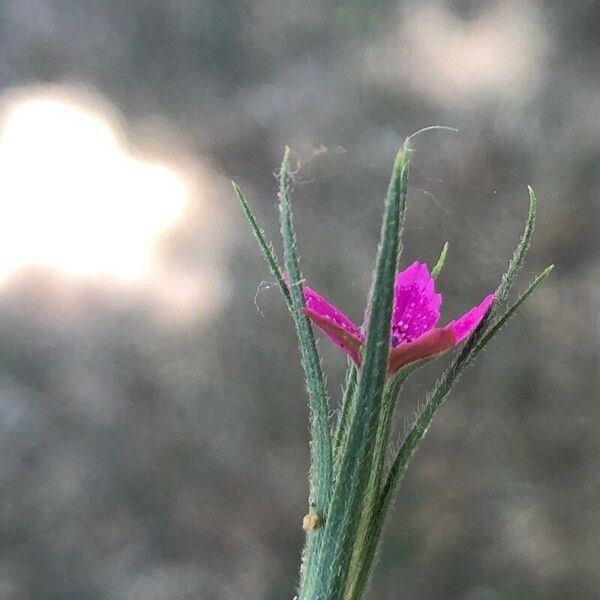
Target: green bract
x,y
350,489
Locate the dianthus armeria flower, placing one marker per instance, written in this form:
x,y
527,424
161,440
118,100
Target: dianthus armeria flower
x,y
414,335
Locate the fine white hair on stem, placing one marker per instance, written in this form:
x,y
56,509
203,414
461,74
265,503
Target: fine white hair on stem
x,y
263,285
432,128
299,282
435,199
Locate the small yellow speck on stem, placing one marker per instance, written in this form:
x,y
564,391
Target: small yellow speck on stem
x,y
311,522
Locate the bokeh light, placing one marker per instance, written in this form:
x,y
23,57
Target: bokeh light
x,y
72,195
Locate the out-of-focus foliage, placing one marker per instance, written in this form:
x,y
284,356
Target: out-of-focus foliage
x,y
146,453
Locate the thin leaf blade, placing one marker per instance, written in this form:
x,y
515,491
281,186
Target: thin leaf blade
x,y
518,258
340,528
321,461
321,468
265,246
439,265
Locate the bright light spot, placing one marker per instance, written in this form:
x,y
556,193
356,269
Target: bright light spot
x,y
500,53
73,198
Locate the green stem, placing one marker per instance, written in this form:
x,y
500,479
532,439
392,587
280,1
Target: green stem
x,y
348,409
362,557
346,502
321,463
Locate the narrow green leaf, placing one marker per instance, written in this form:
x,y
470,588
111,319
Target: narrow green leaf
x,y
507,282
493,329
440,263
349,488
436,398
347,409
361,556
467,354
265,246
321,464
369,531
516,262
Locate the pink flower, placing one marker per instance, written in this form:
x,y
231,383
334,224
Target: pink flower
x,y
416,311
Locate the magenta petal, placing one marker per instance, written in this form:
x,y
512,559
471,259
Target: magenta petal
x,y
416,305
465,325
429,345
317,304
333,323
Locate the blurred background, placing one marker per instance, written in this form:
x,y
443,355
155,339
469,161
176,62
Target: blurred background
x,y
153,423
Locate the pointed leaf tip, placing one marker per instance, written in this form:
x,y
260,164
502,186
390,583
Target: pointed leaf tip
x,y
403,155
532,201
321,452
440,262
286,157
518,257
